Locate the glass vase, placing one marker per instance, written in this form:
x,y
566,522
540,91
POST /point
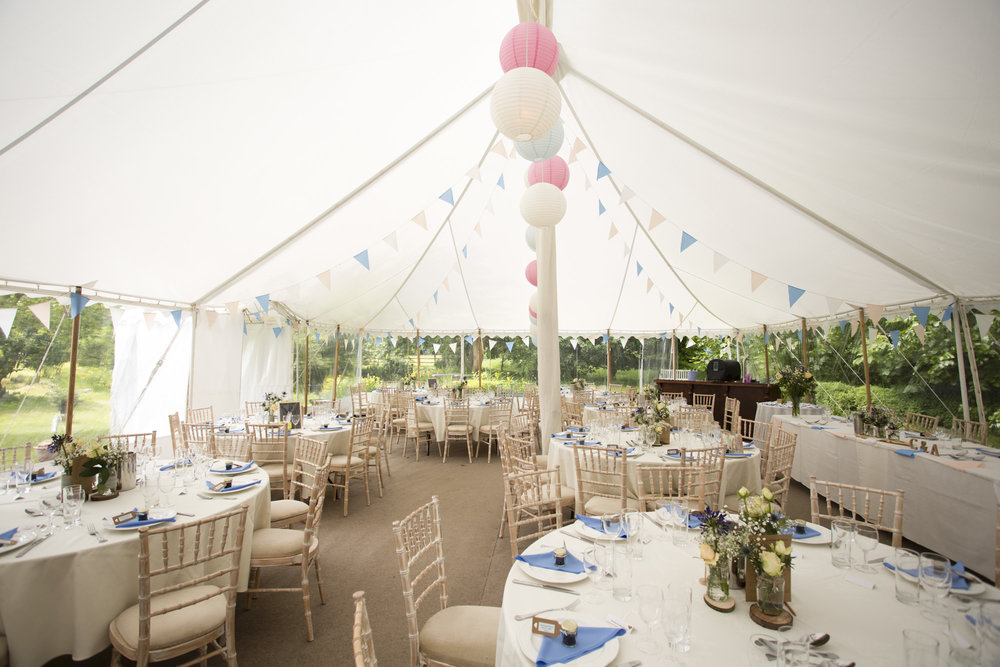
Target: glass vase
x,y
770,594
796,405
717,582
738,571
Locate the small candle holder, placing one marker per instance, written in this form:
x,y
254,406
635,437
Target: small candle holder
x,y
229,465
800,527
569,633
560,555
142,515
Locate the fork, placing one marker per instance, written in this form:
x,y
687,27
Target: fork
x,y
92,529
571,605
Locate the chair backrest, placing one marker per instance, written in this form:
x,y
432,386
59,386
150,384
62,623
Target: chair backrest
x,y
671,396
521,453
778,472
969,430
659,484
600,472
533,507
208,548
251,408
521,425
703,401
201,415
584,396
361,440
321,407
624,414
615,388
711,460
858,503
176,433
691,416
731,416
364,645
501,410
9,455
456,411
420,554
199,436
235,446
269,444
758,433
359,398
310,458
131,442
922,423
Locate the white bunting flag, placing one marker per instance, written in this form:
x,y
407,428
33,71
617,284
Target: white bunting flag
x,y
680,317
691,342
984,321
474,174
493,343
756,280
718,261
626,195
661,297
420,219
855,324
116,315
574,342
89,285
527,340
874,312
234,309
578,145
436,346
324,278
613,232
918,329
42,311
624,341
499,149
390,240
513,153
649,285
777,343
479,229
7,316
150,320
210,317
453,346
833,304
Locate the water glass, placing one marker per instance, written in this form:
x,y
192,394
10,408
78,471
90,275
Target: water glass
x,y
907,573
611,522
679,513
841,540
72,500
677,617
866,537
650,602
596,563
633,528
621,586
920,649
166,481
963,635
935,580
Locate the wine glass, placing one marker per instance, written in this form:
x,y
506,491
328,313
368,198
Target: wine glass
x,y
935,580
596,564
23,473
611,522
866,537
149,486
650,603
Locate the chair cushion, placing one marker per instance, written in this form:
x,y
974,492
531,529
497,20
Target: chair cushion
x,y
174,627
598,505
459,428
276,543
542,460
462,635
286,509
273,470
340,461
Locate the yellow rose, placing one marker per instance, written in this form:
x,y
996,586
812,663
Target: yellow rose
x,y
808,375
767,494
659,429
661,405
744,492
757,507
771,564
781,549
708,554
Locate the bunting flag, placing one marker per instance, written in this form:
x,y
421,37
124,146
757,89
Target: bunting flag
x,y
921,332
150,320
574,342
244,328
577,147
444,283
42,311
510,346
499,149
798,332
649,284
259,317
680,317
7,320
625,195
699,331
474,174
922,312
412,324
465,251
671,307
756,280
493,343
661,296
390,240
489,207
234,309
77,302
470,340
872,334
718,261
420,219
625,250
587,184
447,196
277,331
624,341
436,346
527,340
265,302
984,321
842,324
946,315
777,343
687,241
420,340
362,258
388,338
767,337
638,269
832,304
874,312
855,325
794,294
612,232
435,296
500,183
600,207
478,229
691,342
378,341
604,339
317,337
655,218
894,337
739,337
453,346
177,317
324,278
513,152
602,171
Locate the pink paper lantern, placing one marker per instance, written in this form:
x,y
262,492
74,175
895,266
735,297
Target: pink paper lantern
x,y
554,171
529,45
531,272
532,313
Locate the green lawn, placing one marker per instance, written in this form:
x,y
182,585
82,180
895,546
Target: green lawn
x,y
91,414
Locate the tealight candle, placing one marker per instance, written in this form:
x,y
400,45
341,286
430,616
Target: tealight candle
x,y
560,554
569,633
229,465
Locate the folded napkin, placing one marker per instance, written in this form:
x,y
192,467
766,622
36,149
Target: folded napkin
x,y
988,451
734,455
594,523
232,430
629,428
553,651
627,451
234,487
958,580
45,477
906,452
693,520
136,523
9,534
547,560
331,428
170,466
912,434
822,428
809,532
590,444
574,429
242,468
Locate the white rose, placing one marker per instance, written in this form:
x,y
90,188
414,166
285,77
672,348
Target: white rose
x,y
771,564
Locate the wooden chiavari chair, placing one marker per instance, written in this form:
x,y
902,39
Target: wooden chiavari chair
x,y
533,507
712,461
667,396
921,423
354,464
310,457
201,415
601,474
269,444
758,433
970,431
855,503
778,472
706,401
233,446
200,437
658,485
499,417
364,645
176,432
457,425
417,429
615,388
731,415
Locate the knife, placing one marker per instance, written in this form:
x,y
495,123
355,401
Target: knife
x,y
33,545
545,586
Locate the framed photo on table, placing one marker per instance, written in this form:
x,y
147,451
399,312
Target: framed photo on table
x,y
290,411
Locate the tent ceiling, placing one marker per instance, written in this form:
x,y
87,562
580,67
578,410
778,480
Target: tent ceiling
x,y
847,149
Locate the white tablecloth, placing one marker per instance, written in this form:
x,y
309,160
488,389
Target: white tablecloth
x,y
864,625
59,598
953,512
337,442
768,409
736,472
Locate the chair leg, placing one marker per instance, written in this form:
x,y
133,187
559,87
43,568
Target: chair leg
x,y
385,455
503,519
468,444
368,495
319,580
378,469
305,602
116,657
202,651
347,489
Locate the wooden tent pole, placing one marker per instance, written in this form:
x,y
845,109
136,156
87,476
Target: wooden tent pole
x,y
305,399
767,360
805,346
607,349
71,393
673,353
972,362
418,357
336,366
480,368
956,326
864,355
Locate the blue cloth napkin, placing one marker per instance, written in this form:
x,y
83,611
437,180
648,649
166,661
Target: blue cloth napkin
x,y
693,521
588,443
731,455
594,523
331,428
234,487
553,651
574,429
822,428
809,532
242,468
44,478
136,523
958,583
906,452
988,451
627,451
170,466
629,428
547,560
9,534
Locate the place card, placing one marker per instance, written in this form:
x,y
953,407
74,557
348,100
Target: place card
x,y
545,626
222,486
119,519
858,581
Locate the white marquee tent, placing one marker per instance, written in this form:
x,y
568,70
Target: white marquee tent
x,y
733,164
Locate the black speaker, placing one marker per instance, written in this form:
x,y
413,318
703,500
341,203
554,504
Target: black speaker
x,y
723,370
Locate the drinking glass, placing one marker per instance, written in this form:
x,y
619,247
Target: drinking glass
x,y
72,499
907,574
677,617
649,436
165,481
866,537
650,602
621,579
679,517
633,528
596,564
841,539
935,580
24,477
611,522
920,649
963,635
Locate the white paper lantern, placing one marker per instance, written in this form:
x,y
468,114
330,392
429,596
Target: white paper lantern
x,y
543,205
544,148
525,104
529,237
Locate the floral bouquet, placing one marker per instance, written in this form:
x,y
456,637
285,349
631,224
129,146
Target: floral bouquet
x,y
719,543
796,383
102,461
578,384
271,402
767,554
65,449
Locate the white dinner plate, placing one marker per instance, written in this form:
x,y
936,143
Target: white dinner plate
x,y
230,473
23,536
125,529
530,643
823,537
551,576
586,531
47,479
975,587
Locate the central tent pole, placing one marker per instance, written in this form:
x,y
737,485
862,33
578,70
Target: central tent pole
x,y
305,399
418,357
960,354
461,343
479,370
864,354
71,393
550,416
673,353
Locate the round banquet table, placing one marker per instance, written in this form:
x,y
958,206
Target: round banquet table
x,y
61,596
736,472
433,412
768,409
864,625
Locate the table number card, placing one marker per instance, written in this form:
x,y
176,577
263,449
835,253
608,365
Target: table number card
x,y
544,626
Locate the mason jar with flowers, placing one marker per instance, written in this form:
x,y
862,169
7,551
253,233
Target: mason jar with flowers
x,y
102,464
761,541
655,416
271,403
65,452
718,544
794,384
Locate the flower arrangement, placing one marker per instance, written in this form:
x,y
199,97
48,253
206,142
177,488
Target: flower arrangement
x,y
409,379
767,556
719,543
758,519
578,384
796,383
651,392
656,415
65,449
102,461
272,400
